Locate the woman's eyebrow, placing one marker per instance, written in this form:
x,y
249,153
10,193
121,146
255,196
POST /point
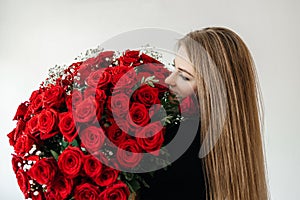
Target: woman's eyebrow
x,y
183,70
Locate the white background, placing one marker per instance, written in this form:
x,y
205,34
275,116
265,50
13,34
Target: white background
x,y
36,35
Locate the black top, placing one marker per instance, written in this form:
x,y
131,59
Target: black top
x,y
182,180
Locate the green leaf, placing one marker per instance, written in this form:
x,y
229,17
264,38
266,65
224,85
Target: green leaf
x,y
64,143
74,143
150,84
54,154
143,79
135,185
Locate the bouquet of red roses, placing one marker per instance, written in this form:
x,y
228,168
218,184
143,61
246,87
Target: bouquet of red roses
x,y
87,129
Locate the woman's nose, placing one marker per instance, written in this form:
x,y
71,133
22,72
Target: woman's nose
x,y
170,80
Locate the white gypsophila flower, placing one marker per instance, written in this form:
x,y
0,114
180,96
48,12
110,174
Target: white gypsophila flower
x,y
36,193
32,149
54,73
26,167
89,54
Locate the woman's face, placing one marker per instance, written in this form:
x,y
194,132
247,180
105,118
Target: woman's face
x,y
182,80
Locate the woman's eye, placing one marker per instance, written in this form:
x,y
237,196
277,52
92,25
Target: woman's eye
x,y
184,78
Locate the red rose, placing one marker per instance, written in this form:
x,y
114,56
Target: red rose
x,y
70,161
36,102
67,126
92,138
73,99
17,132
104,58
151,138
44,171
91,62
85,111
132,54
23,182
116,135
130,58
34,94
126,81
16,161
61,188
99,78
118,104
84,71
24,144
33,125
146,95
107,177
96,93
117,72
48,123
117,191
89,91
94,77
92,166
139,114
129,154
86,191
22,110
53,97
99,96
11,137
104,80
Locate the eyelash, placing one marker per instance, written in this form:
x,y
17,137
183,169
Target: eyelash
x,y
184,78
181,76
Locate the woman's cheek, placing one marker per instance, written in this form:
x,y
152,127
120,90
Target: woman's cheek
x,y
187,89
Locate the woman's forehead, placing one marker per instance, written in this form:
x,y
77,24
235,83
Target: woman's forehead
x,y
182,60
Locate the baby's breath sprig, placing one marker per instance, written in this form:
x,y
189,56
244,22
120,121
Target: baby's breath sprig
x,y
89,54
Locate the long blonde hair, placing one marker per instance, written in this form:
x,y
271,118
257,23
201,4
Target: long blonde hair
x,y
235,167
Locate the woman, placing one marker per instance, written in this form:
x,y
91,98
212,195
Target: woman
x,y
215,64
